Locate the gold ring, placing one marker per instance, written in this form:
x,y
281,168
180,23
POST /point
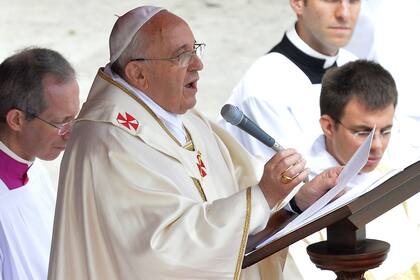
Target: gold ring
x,y
285,179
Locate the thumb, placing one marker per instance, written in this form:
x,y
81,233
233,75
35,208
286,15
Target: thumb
x,y
331,175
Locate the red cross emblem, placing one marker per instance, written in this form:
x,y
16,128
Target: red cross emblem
x,y
128,121
201,166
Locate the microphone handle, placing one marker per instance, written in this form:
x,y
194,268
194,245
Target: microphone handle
x,y
277,147
253,129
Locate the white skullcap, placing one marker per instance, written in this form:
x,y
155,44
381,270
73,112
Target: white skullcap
x,y
126,27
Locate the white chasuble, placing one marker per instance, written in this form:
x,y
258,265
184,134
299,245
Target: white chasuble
x,y
134,204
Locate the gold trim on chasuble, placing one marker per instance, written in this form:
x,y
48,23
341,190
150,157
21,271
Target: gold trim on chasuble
x,y
244,235
189,145
412,274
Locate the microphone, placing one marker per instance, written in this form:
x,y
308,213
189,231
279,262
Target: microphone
x,y
235,116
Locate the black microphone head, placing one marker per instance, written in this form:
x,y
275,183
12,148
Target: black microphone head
x,y
231,114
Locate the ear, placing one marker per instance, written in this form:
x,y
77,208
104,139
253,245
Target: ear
x,y
135,75
15,119
327,125
297,6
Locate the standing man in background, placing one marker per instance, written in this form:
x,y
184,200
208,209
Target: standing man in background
x,y
281,90
39,98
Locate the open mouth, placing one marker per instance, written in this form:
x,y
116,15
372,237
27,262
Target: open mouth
x,y
192,85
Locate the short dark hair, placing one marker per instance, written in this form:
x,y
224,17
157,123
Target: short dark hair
x,y
21,79
366,80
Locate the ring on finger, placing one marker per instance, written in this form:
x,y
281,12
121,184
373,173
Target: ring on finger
x,y
286,179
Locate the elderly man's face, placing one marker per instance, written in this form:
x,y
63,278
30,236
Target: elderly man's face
x,y
170,84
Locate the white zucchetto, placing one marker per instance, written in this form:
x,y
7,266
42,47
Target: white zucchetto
x,y
127,26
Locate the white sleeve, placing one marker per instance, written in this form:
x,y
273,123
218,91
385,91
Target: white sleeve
x,y
279,122
260,211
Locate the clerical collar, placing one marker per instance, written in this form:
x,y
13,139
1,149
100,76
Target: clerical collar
x,y
13,169
313,63
300,44
173,122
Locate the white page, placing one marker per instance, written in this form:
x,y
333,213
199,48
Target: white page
x,y
345,199
353,166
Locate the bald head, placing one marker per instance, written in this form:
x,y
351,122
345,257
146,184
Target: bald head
x,y
158,30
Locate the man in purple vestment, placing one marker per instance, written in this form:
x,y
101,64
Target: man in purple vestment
x,y
39,99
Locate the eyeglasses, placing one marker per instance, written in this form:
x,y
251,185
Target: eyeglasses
x,y
341,1
63,128
184,58
362,134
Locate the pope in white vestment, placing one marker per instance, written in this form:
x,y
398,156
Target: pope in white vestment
x,y
394,227
135,204
26,217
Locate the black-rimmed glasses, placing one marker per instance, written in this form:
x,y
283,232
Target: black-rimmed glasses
x,y
184,58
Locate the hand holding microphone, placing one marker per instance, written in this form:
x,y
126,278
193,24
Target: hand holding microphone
x,y
287,168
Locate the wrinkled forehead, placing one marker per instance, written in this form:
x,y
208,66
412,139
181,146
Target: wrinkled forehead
x,y
167,30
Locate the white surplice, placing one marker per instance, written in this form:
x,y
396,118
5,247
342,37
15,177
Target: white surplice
x,y
26,219
134,204
278,95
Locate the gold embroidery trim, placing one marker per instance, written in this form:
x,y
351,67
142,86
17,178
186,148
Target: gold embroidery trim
x,y
406,209
189,145
244,235
138,100
412,273
199,189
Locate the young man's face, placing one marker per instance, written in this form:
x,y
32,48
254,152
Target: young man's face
x,y
343,137
326,25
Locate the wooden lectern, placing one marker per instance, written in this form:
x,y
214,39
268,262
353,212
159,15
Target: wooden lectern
x,y
346,251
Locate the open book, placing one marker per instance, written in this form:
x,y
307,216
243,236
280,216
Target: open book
x,y
329,202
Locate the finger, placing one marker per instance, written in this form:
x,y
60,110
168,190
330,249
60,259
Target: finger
x,y
285,164
301,176
333,172
291,182
283,155
295,169
326,180
287,152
